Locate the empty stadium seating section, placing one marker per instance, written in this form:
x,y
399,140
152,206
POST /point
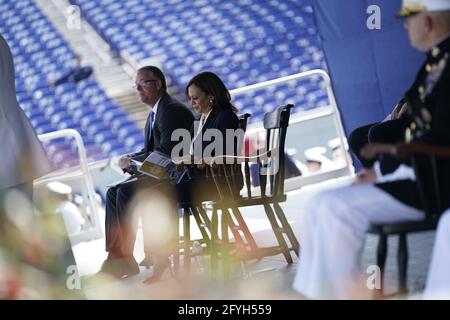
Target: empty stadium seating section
x,y
245,42
40,54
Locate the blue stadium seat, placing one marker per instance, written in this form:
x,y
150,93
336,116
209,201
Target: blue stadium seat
x,y
112,114
91,124
104,136
110,146
39,120
53,110
44,128
118,123
74,105
133,141
79,113
65,88
129,130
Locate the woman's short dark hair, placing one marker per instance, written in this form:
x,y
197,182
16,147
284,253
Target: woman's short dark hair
x,y
212,85
157,73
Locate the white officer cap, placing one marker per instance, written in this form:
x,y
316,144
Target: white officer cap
x,y
315,154
410,7
59,188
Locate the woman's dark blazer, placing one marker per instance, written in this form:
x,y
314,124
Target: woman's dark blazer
x,y
201,185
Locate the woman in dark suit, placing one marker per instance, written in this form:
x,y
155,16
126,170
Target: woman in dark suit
x,y
209,96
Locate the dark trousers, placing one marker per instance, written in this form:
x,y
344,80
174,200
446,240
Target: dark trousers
x,y
120,226
392,131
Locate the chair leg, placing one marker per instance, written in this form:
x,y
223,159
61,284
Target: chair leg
x,y
201,224
225,254
278,234
402,263
205,217
381,262
176,255
187,240
241,246
243,226
214,242
287,228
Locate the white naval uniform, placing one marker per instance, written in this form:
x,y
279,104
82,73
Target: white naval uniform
x,y
332,239
438,280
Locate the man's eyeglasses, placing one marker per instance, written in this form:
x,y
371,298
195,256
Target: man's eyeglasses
x,y
143,83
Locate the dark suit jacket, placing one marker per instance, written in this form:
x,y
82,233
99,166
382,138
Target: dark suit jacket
x,y
171,115
201,186
220,120
437,102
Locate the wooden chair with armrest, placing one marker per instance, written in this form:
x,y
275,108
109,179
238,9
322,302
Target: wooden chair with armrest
x,y
271,194
202,220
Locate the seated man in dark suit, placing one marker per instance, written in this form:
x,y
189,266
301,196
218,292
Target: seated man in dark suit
x,y
336,220
166,115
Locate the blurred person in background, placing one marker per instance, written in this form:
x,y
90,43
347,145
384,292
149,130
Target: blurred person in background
x,y
61,196
76,74
316,159
339,154
23,157
34,249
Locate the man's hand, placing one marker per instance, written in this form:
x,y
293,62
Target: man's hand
x,y
125,162
366,175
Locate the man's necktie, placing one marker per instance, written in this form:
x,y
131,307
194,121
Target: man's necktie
x,y
150,124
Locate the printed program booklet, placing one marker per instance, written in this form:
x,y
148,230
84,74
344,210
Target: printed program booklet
x,y
161,167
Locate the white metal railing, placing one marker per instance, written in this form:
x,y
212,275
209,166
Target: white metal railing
x,y
297,182
78,173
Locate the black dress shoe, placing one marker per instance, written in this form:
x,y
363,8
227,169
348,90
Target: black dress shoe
x,y
111,266
120,267
128,267
158,271
147,262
